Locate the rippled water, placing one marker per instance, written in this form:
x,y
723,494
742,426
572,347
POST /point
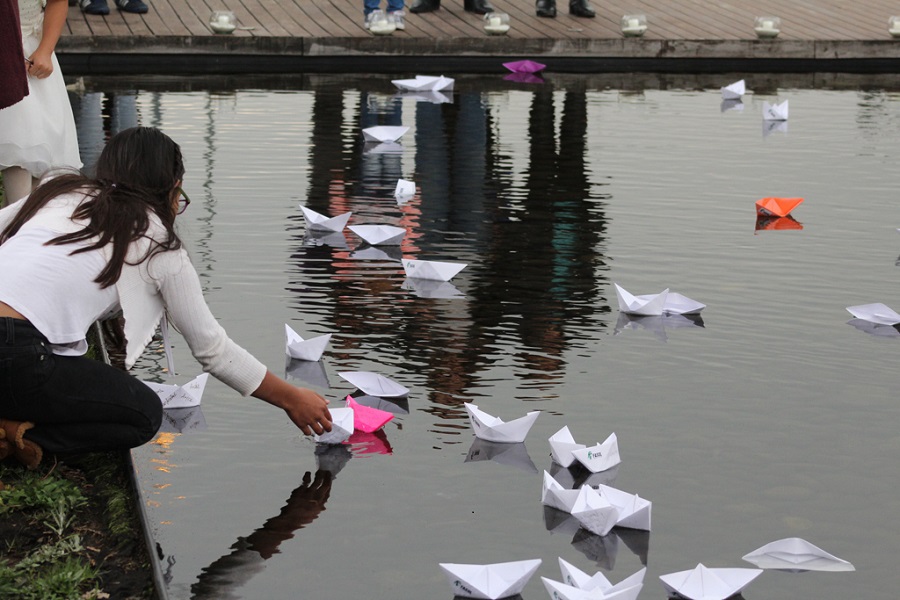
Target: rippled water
x,y
771,418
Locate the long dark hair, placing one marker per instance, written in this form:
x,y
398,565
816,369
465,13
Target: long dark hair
x,y
136,175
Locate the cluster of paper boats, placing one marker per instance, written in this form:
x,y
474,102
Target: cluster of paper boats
x,y
732,96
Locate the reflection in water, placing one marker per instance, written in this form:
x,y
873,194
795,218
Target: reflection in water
x,y
657,325
226,575
513,455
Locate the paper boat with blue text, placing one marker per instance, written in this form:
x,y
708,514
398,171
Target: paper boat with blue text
x,y
491,581
180,396
775,112
561,591
562,444
572,575
601,457
703,583
663,303
431,269
374,384
298,348
734,91
425,83
384,133
342,425
494,429
594,512
634,511
796,554
875,313
385,235
319,222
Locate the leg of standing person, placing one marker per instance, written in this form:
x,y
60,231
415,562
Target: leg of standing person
x,y
395,12
368,7
17,183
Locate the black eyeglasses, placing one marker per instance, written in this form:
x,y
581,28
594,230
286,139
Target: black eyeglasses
x,y
183,201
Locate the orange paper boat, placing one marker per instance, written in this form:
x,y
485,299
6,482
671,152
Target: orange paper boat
x,y
777,207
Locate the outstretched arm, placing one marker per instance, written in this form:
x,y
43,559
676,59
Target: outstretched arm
x,y
307,409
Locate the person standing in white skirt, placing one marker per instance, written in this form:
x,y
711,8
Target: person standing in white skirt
x,y
37,134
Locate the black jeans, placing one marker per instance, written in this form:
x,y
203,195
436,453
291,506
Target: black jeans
x,y
77,404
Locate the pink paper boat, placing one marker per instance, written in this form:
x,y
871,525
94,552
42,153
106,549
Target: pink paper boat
x,y
363,443
366,418
524,66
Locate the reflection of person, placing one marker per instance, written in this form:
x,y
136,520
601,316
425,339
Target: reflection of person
x,y
578,8
12,58
479,7
38,133
78,249
225,575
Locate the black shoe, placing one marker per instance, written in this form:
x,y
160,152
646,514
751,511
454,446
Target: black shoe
x,y
581,8
94,7
479,7
424,6
132,6
546,8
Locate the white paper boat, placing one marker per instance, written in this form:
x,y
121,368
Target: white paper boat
x,y
875,313
385,235
734,91
702,583
425,83
775,112
492,581
183,420
876,329
311,349
562,444
405,189
561,591
555,495
341,427
384,133
319,222
374,384
180,396
665,302
494,429
796,554
572,575
634,511
431,269
594,512
601,457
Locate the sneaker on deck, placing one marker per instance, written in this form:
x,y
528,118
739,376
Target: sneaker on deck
x,y
132,6
397,16
94,7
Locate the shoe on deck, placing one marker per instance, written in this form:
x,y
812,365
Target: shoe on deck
x,y
397,17
94,7
132,6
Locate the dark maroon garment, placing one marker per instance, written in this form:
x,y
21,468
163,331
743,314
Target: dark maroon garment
x,y
13,85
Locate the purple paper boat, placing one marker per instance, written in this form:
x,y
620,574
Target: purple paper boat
x,y
523,78
366,418
524,66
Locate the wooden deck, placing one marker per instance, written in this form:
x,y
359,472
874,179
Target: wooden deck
x,y
289,32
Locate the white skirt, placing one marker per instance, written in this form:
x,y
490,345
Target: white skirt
x,y
38,133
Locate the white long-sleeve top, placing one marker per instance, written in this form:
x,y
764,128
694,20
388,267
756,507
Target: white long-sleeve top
x,y
166,282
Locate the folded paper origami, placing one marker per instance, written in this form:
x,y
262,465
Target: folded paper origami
x,y
562,444
405,189
431,269
319,222
875,313
425,83
593,511
702,583
180,396
494,429
555,495
341,427
876,329
601,457
297,347
385,235
384,133
634,511
374,384
777,207
663,303
561,591
183,420
366,418
572,575
775,112
734,91
524,66
492,581
796,554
